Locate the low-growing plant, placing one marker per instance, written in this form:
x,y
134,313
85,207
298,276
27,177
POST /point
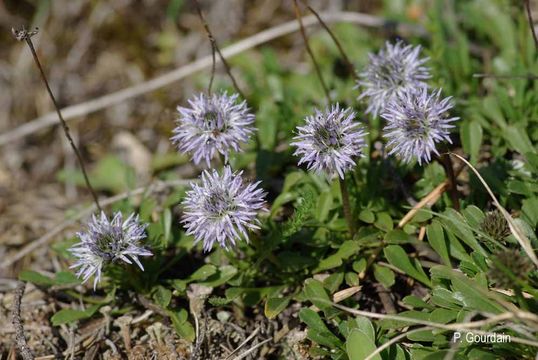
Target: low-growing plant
x,y
342,207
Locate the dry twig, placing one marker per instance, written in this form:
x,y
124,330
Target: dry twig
x,y
252,349
251,336
16,320
429,199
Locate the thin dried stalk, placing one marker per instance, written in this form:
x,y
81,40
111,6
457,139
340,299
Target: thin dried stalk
x,y
215,47
514,227
465,327
531,22
299,17
27,36
20,339
349,64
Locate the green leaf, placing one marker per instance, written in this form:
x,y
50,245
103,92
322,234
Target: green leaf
x,y
530,210
317,330
329,263
323,206
333,282
183,328
65,316
367,216
351,278
274,306
203,272
365,325
66,278
472,293
416,302
147,206
445,298
167,224
267,124
312,319
224,274
384,222
110,173
359,345
443,316
398,236
35,278
384,275
467,291
280,200
345,251
292,179
162,296
471,138
473,215
410,314
397,256
437,240
359,265
518,139
316,294
422,336
454,223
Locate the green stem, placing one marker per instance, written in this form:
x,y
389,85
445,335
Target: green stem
x,y
347,207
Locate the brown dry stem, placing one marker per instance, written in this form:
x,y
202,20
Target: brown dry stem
x,y
16,320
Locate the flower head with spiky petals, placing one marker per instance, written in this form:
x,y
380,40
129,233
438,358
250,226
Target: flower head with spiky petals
x,y
416,121
212,124
222,208
329,141
107,241
392,71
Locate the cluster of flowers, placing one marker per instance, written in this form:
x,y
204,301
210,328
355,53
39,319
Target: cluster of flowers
x,y
223,206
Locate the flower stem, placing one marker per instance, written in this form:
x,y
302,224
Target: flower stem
x,y
347,207
348,62
27,36
215,47
309,50
531,22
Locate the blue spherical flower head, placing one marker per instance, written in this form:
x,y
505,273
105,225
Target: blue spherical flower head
x,y
391,72
222,208
107,241
416,121
330,141
212,124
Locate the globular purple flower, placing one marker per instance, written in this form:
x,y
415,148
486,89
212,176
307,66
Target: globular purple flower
x,y
391,72
212,124
107,241
416,121
329,141
222,208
